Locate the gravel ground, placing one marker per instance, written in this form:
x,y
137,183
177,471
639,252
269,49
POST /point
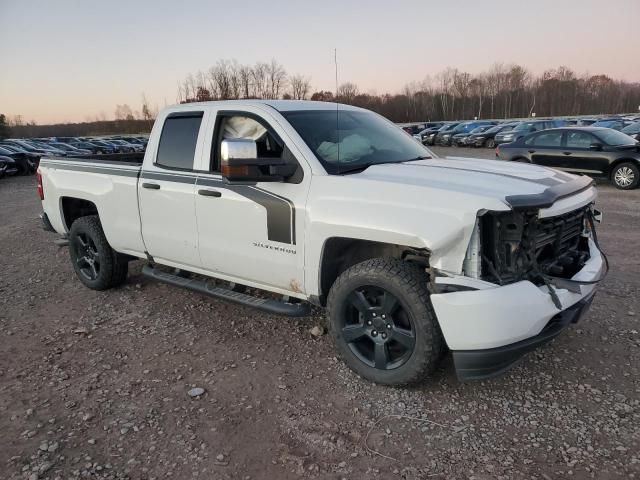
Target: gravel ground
x,y
95,384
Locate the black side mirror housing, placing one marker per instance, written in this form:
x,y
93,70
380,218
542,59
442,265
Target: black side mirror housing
x,y
596,147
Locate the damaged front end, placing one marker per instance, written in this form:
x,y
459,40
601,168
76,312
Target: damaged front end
x,y
519,245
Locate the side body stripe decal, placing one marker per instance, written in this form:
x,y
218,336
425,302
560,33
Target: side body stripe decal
x,y
281,213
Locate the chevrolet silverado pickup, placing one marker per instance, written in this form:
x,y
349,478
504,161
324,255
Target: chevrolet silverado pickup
x,y
332,205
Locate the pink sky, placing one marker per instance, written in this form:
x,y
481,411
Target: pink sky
x,y
71,60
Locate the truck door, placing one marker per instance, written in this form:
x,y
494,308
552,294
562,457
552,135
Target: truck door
x,y
252,233
166,191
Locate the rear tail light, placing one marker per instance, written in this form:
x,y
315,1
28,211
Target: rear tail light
x,y
39,182
498,151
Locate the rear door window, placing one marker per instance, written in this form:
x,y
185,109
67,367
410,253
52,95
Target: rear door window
x,y
178,140
549,139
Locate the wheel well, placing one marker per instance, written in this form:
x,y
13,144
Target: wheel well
x,y
341,253
622,160
74,208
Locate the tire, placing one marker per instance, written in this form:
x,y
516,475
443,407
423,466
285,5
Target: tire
x,y
625,176
491,143
96,264
521,160
411,340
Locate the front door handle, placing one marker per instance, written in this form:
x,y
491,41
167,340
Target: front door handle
x,y
151,186
210,193
531,151
567,153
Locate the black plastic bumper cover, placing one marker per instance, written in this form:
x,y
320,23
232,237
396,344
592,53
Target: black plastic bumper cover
x,y
482,364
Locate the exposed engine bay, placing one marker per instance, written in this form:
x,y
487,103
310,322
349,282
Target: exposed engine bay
x,y
519,245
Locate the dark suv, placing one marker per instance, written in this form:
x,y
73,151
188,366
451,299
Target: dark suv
x,y
525,128
446,137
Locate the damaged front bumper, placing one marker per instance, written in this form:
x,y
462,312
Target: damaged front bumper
x,y
489,327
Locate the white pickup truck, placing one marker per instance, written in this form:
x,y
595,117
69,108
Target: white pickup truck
x,y
335,206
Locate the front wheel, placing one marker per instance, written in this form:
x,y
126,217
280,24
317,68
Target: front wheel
x,y
96,264
625,176
382,321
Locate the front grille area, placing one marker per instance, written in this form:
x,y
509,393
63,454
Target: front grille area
x,y
519,245
555,236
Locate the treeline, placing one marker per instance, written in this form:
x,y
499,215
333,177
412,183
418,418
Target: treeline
x,y
100,127
504,91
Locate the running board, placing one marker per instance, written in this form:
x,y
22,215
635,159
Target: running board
x,y
61,242
200,286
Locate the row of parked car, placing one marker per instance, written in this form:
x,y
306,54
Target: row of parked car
x,y
21,156
489,134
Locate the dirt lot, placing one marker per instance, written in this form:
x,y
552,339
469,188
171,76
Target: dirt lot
x,y
94,384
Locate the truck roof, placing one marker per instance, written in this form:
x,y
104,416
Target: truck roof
x,y
280,105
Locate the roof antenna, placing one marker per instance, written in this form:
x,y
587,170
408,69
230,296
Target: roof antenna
x,y
335,61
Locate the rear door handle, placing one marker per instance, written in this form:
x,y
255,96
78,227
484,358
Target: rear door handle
x,y
531,151
151,186
567,153
210,193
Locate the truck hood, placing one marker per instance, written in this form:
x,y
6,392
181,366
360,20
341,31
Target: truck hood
x,y
518,185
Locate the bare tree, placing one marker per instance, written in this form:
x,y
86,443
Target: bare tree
x,y
124,112
347,92
146,110
300,87
259,76
244,77
276,79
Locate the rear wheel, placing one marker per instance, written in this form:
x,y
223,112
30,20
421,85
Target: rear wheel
x,y
382,322
625,176
491,143
96,264
521,160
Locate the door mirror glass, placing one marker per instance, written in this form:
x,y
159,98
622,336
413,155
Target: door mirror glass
x,y
596,146
240,163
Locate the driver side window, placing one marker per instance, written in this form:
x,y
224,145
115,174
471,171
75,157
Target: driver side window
x,y
579,140
231,126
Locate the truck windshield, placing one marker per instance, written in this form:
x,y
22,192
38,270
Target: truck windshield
x,y
348,140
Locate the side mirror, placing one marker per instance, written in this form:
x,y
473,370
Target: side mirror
x,y
240,163
596,147
532,129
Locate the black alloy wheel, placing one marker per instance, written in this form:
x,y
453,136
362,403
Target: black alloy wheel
x,y
96,264
382,322
377,329
87,257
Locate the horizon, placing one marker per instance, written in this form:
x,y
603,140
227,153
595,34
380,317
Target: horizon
x,y
52,73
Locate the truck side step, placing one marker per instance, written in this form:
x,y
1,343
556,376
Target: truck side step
x,y
200,286
61,242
